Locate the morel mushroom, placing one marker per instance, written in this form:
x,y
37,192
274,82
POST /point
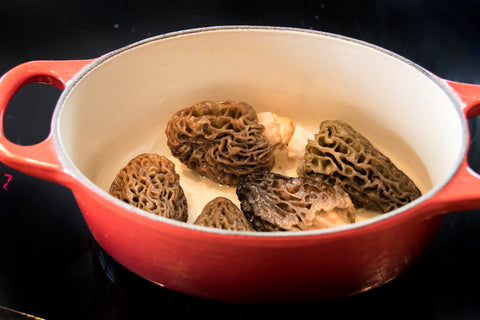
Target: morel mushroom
x,y
340,155
149,182
274,202
222,213
222,141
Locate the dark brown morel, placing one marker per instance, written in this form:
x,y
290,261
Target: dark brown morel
x,y
340,155
222,141
273,202
222,213
149,182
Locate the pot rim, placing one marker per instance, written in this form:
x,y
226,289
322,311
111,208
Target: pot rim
x,y
86,182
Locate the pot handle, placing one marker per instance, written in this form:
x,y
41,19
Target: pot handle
x,y
39,160
463,190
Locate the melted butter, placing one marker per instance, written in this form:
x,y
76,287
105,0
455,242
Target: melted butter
x,y
365,214
200,190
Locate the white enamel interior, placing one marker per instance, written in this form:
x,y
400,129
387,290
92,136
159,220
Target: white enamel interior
x,y
119,106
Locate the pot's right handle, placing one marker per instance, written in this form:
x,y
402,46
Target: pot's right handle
x,y
469,94
463,190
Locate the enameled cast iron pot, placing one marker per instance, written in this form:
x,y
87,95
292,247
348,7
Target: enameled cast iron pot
x,y
117,106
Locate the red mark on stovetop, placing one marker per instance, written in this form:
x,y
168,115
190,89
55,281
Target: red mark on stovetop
x,y
9,176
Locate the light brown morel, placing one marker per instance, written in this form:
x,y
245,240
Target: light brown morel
x,y
274,202
340,155
222,213
149,182
222,141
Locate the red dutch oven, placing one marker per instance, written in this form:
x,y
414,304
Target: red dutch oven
x,y
117,106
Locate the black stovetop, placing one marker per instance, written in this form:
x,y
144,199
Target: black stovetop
x,y
50,266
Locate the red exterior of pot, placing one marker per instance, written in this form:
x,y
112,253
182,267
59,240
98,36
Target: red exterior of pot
x,y
258,269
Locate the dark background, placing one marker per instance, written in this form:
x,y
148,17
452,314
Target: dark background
x,y
51,267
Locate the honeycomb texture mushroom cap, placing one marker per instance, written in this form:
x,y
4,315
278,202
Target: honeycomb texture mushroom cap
x,y
222,141
340,155
222,213
274,202
149,182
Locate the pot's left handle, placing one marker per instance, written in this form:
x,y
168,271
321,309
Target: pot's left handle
x,y
39,160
